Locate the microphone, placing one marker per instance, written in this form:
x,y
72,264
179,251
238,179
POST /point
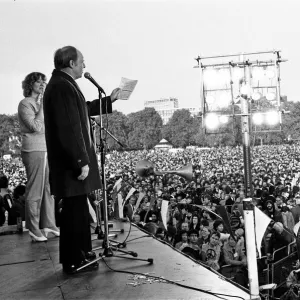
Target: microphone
x,y
88,76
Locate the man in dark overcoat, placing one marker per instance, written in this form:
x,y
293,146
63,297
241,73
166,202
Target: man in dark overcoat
x,y
72,159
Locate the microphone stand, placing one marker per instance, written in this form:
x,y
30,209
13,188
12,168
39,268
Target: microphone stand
x,y
108,248
99,201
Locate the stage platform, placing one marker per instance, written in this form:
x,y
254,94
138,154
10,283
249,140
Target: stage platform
x,y
32,271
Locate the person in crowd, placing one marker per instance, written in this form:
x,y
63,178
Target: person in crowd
x,y
211,252
218,226
272,212
183,227
277,237
204,236
279,202
137,220
184,242
296,209
129,208
194,237
18,206
287,218
293,280
195,224
71,154
5,199
39,204
234,256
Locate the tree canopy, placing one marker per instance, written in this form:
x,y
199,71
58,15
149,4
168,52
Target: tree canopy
x,y
144,129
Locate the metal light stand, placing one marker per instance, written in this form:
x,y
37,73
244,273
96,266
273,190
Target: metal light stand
x,y
108,248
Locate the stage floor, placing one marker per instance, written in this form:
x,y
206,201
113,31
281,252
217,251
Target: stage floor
x,y
32,271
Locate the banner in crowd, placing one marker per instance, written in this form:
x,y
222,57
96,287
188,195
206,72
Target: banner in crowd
x,y
261,221
164,212
223,214
131,192
138,202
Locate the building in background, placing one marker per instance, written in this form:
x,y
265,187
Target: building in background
x,y
167,106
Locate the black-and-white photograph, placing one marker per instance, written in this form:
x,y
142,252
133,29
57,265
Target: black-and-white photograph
x,y
149,149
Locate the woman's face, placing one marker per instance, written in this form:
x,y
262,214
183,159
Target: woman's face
x,y
38,87
220,228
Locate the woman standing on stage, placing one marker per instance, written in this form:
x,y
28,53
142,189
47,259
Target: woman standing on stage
x,y
39,204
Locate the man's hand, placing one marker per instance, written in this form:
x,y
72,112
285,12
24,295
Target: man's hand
x,y
84,172
115,94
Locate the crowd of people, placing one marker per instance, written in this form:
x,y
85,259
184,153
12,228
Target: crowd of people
x,y
193,223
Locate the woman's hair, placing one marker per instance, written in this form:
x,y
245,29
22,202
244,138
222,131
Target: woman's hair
x,y
63,56
30,79
217,223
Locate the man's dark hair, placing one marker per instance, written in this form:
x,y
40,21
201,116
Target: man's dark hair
x,y
3,182
63,56
19,191
194,231
30,79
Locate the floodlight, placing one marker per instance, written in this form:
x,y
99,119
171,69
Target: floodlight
x,y
270,73
245,89
270,96
256,96
257,118
210,76
272,117
212,121
237,74
257,73
210,99
224,100
223,119
224,76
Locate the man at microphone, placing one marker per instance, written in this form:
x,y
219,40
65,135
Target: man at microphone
x,y
73,165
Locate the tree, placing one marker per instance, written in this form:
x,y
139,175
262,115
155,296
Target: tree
x,y
10,137
291,121
181,128
144,128
116,124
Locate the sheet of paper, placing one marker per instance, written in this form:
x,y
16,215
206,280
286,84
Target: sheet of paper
x,y
127,86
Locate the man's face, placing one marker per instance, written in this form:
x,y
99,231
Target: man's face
x,y
185,226
214,240
193,238
137,218
78,66
154,218
184,237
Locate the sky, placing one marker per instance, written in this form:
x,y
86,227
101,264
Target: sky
x,y
155,42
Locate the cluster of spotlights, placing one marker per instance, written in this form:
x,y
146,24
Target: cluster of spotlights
x,y
271,118
213,121
224,100
221,76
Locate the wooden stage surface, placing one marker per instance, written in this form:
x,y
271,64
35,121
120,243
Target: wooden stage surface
x,y
32,271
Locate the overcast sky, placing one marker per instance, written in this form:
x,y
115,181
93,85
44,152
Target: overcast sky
x,y
154,42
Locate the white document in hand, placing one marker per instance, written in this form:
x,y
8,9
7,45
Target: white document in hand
x,y
127,86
